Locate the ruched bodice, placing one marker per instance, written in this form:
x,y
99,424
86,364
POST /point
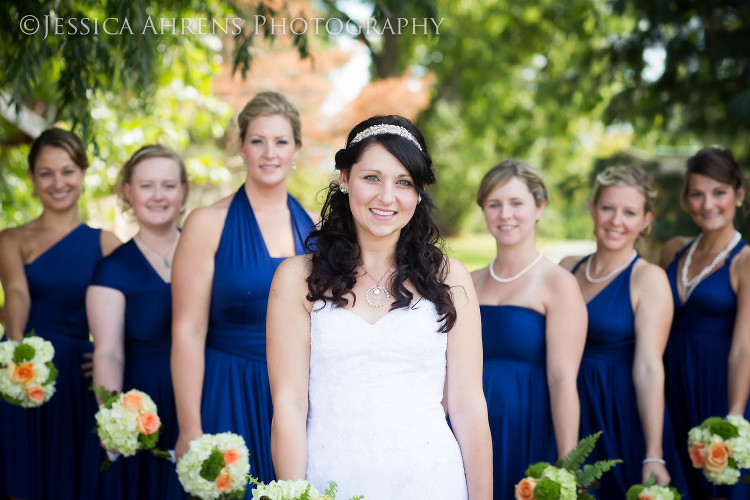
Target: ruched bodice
x,y
375,411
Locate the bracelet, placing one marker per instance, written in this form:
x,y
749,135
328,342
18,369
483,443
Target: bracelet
x,y
654,461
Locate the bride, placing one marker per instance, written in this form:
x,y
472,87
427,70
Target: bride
x,y
375,336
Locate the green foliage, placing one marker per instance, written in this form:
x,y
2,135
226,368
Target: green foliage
x,y
146,442
720,427
535,470
107,398
591,472
633,492
23,352
546,489
575,458
52,372
211,467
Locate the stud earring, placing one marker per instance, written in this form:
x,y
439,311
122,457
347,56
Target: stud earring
x,y
419,199
343,189
739,203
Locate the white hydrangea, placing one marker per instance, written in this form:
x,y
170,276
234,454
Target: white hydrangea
x,y
44,350
284,490
117,427
741,444
6,351
189,466
659,493
19,391
566,480
730,475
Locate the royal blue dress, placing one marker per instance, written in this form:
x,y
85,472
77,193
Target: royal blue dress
x,y
57,430
236,393
148,340
697,364
607,393
515,385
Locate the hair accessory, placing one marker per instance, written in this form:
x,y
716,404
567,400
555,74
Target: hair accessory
x,y
343,189
518,275
654,461
419,199
385,128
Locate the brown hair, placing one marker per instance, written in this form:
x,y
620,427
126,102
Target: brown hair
x,y
63,139
718,164
505,171
145,152
266,104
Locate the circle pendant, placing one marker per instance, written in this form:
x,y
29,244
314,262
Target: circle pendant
x,y
377,296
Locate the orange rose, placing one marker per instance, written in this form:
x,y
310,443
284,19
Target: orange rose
x,y
231,456
645,496
35,392
223,482
697,454
132,401
525,489
148,423
718,457
22,373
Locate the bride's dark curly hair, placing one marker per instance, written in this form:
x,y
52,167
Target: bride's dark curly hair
x,y
335,250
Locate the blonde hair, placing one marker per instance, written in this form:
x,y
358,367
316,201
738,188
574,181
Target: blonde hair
x,y
626,175
505,171
125,175
267,104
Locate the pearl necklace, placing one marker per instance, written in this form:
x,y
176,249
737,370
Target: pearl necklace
x,y
612,273
512,278
689,285
377,295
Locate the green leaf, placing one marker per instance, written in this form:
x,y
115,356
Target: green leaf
x,y
108,398
23,352
546,489
575,458
211,467
52,372
592,472
634,491
331,490
650,481
146,442
535,470
721,428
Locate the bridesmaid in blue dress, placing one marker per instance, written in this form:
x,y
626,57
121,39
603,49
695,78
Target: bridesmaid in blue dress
x,y
45,267
708,355
621,380
533,331
129,306
223,268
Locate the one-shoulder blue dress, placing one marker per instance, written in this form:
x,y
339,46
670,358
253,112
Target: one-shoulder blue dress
x,y
607,393
697,364
148,340
236,393
57,430
515,385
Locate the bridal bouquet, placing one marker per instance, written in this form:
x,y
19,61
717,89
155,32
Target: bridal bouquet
x,y
565,480
27,373
650,491
127,422
721,447
292,490
215,466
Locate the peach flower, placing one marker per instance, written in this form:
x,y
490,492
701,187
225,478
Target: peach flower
x,y
148,423
132,401
645,496
717,458
697,454
223,482
35,393
525,489
22,373
231,456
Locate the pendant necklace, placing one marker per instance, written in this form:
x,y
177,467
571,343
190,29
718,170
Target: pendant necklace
x,y
689,285
377,295
518,275
167,262
611,273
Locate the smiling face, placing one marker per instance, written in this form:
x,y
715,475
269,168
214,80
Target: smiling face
x,y
155,191
619,216
269,150
511,212
711,204
382,196
57,180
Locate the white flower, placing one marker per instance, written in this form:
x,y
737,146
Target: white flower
x,y
118,428
284,490
6,351
658,493
189,466
566,480
44,349
729,475
18,391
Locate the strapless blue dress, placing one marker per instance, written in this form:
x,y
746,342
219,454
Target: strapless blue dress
x,y
607,394
236,393
148,340
697,364
515,385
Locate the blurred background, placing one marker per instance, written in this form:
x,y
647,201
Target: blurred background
x,y
568,86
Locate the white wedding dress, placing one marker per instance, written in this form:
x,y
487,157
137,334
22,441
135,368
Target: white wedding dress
x,y
375,423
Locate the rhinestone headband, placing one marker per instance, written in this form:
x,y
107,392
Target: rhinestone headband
x,y
384,128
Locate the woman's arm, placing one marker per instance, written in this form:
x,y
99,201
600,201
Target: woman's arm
x,y
15,286
288,354
739,354
566,336
192,278
466,405
105,309
652,300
